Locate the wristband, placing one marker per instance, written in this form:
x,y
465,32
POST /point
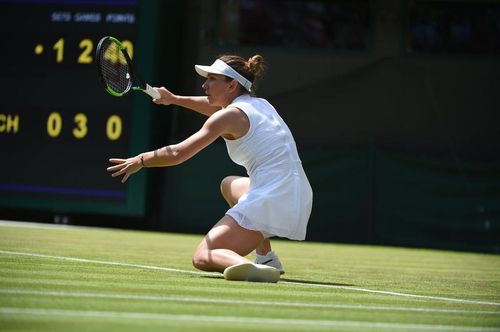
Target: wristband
x,y
142,161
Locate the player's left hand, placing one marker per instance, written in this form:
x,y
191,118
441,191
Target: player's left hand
x,y
124,166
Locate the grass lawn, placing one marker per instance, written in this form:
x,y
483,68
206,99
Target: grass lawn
x,y
89,279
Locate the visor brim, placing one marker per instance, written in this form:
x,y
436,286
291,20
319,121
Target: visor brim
x,y
205,70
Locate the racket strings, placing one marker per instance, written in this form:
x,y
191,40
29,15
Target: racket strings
x,y
114,67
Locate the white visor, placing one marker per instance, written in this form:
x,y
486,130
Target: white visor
x,y
221,68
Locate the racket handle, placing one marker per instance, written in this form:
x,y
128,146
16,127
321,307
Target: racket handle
x,y
152,92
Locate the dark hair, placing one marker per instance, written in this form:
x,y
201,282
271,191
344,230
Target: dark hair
x,y
250,69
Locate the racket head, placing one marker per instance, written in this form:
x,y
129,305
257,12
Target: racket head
x,y
114,66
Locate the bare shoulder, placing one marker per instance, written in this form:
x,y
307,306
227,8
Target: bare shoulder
x,y
231,114
234,121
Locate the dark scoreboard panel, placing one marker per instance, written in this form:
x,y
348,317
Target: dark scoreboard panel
x,y
58,127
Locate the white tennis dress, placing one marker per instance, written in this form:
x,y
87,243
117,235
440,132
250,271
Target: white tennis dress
x,y
279,201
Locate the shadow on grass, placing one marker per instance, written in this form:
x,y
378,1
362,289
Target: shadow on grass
x,y
297,281
214,276
310,282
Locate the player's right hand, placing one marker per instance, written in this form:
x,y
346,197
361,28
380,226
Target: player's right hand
x,y
167,97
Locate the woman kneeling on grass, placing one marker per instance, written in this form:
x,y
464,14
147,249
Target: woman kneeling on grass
x,y
274,200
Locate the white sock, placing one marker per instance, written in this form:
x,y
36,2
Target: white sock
x,y
270,254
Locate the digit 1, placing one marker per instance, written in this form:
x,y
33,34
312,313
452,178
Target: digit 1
x,y
59,48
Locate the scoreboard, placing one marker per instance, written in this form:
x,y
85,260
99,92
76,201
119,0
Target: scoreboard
x,y
58,127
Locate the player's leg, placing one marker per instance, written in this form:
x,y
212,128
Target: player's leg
x,y
233,187
264,247
226,244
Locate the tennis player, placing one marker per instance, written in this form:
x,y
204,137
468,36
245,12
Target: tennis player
x,y
274,200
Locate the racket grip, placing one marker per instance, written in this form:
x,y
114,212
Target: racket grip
x,y
152,92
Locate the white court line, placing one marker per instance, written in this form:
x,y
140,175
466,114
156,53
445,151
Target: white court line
x,y
84,260
190,299
239,320
304,284
425,297
38,225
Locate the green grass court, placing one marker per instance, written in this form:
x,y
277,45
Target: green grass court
x,y
84,279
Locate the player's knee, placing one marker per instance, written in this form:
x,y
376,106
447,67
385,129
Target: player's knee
x,y
199,260
225,185
225,189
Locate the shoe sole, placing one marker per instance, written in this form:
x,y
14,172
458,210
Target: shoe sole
x,y
252,272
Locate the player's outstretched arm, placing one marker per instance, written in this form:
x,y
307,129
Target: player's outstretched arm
x,y
227,122
196,103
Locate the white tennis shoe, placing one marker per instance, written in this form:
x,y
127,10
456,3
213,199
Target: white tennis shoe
x,y
252,272
270,259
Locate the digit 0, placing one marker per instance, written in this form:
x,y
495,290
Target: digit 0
x,y
54,124
114,127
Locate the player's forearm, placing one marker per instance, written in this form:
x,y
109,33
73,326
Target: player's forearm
x,y
197,103
170,155
166,156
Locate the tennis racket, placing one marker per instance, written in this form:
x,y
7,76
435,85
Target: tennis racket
x,y
115,69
